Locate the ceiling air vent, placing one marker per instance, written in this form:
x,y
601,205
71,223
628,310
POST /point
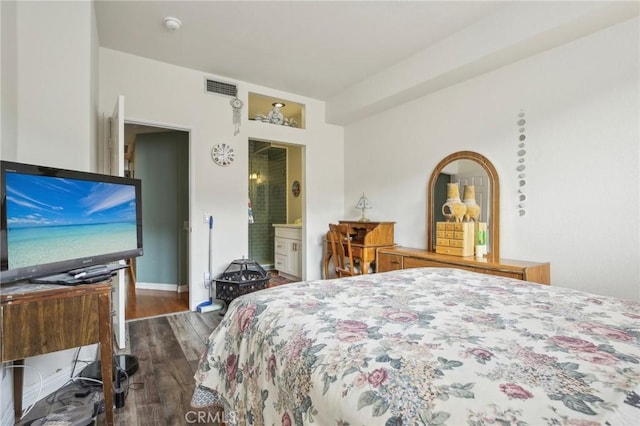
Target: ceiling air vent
x,y
220,87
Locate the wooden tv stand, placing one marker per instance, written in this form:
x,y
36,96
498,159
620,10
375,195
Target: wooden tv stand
x,y
393,258
42,318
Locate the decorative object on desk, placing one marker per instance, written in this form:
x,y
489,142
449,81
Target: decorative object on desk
x,y
453,209
295,188
222,154
469,200
363,203
236,104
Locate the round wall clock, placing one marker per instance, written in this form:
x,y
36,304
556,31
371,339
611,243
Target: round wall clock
x,y
222,154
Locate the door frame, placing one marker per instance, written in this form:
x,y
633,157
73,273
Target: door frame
x,y
303,190
177,127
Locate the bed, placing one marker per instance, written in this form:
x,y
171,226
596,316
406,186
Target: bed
x,y
426,346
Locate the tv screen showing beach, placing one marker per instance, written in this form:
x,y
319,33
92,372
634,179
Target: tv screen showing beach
x,y
52,219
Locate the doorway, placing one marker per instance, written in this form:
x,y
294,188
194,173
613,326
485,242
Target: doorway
x,y
267,197
158,282
275,169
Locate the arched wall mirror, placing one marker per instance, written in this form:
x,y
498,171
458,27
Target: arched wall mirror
x,y
468,168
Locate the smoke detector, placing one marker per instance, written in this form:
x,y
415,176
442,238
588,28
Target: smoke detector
x,y
172,23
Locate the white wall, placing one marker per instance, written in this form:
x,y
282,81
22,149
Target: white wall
x,y
49,93
54,107
9,81
582,108
159,93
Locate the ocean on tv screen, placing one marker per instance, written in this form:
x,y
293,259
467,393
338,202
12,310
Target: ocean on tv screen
x,y
51,219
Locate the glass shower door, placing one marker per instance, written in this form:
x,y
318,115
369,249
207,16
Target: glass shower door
x,y
267,196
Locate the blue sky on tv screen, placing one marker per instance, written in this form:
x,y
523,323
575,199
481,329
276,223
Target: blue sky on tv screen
x,y
34,201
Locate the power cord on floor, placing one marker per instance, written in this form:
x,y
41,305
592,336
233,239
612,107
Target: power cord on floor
x,y
87,379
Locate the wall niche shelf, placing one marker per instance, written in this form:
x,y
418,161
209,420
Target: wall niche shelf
x,y
265,109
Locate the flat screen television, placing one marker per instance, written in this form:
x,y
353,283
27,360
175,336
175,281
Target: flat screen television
x,y
55,220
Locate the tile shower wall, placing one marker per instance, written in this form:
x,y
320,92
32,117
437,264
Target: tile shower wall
x,y
267,192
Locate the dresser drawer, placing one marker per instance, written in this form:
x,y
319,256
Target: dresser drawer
x,y
454,251
412,262
406,257
456,243
389,262
499,273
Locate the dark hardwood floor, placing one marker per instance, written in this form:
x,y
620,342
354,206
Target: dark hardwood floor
x,y
168,349
167,340
159,393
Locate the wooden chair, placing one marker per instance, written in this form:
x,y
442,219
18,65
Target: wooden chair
x,y
340,241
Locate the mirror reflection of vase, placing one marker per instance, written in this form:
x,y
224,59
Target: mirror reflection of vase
x,y
453,209
469,199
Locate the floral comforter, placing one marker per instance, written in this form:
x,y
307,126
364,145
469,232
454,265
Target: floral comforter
x,y
425,346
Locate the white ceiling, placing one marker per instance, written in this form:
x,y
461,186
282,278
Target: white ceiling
x,y
311,48
361,57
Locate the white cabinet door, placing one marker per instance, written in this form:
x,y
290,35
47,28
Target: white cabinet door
x,y
294,258
288,250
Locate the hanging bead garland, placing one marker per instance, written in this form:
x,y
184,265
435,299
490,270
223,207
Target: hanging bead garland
x,y
521,167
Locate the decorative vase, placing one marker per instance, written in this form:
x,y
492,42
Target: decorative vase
x,y
469,199
453,209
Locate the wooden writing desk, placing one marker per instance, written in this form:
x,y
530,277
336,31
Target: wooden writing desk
x,y
42,318
366,238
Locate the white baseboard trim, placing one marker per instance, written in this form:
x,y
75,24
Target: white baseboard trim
x,y
183,288
157,286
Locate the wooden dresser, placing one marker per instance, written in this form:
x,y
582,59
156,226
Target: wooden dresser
x,y
393,258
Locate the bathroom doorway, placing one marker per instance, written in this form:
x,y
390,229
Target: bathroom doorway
x,y
273,169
